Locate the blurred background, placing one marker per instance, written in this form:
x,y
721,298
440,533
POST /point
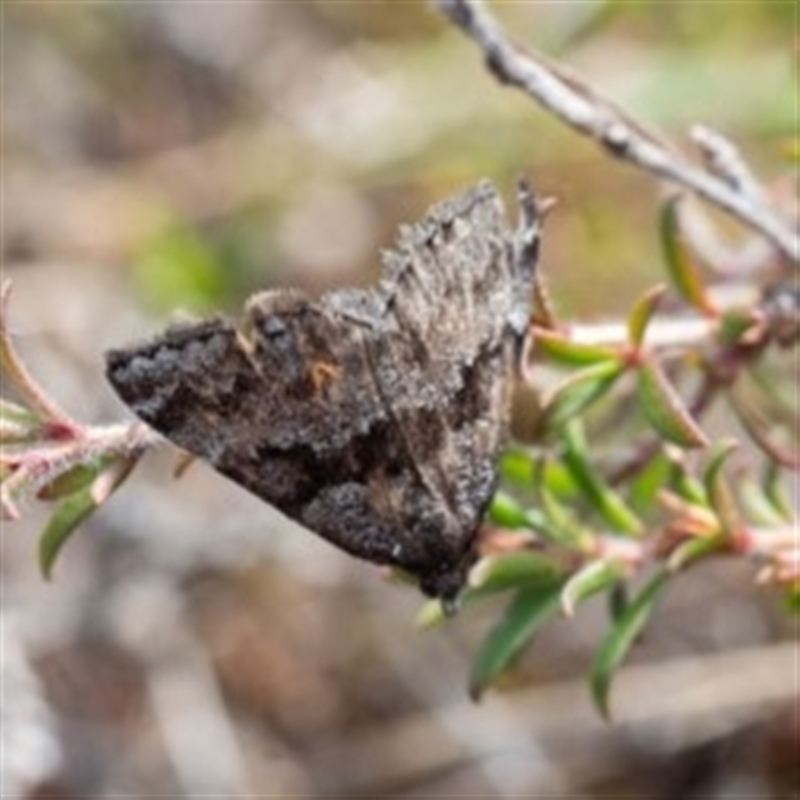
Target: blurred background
x,y
168,158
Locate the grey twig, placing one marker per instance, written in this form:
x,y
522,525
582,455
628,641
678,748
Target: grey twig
x,y
574,102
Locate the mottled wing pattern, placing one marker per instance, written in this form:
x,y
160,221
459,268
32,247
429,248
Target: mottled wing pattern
x,y
374,418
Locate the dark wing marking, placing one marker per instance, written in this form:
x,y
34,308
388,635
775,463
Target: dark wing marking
x,y
375,418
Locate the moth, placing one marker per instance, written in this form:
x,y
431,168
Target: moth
x,y
373,417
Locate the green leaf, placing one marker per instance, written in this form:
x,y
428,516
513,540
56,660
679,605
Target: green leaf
x,y
648,482
17,413
792,599
493,575
694,549
665,410
507,512
530,609
618,601
594,577
66,518
719,492
757,505
680,263
579,391
775,491
563,526
734,325
685,485
620,638
498,573
73,509
603,498
71,481
559,348
642,312
517,466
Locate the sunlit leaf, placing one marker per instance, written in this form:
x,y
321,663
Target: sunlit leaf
x,y
493,575
594,577
517,467
559,348
507,512
70,481
642,312
620,638
694,549
504,571
12,414
531,608
665,410
683,271
575,394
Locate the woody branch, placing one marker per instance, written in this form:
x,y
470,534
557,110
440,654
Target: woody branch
x,y
727,182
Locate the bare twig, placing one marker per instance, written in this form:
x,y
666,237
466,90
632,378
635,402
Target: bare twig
x,y
570,99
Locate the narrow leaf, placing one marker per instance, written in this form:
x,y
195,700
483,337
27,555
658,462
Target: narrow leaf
x,y
694,549
757,504
594,577
493,575
73,509
665,410
579,391
618,601
604,499
650,480
69,482
719,492
517,466
680,263
563,526
66,518
642,312
17,413
507,512
530,609
774,490
685,485
504,571
619,640
559,348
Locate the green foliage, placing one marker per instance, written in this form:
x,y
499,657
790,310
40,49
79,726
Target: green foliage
x,y
529,610
620,638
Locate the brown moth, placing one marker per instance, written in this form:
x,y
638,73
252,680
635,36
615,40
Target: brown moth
x,y
375,417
